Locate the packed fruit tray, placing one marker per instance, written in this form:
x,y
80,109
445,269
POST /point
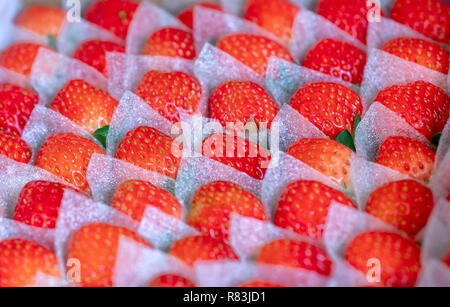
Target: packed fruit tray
x,y
242,143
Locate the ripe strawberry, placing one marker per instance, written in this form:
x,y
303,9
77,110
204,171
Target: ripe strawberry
x,y
22,260
85,105
419,51
16,105
331,107
151,149
42,20
407,156
260,284
422,105
96,246
429,17
171,42
213,204
405,204
276,16
171,280
399,258
237,152
253,50
19,57
112,15
338,59
39,202
297,254
187,15
303,207
133,196
13,147
167,91
93,53
326,156
67,156
241,101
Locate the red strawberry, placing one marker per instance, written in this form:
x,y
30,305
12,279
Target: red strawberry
x,y
193,249
237,152
19,57
167,91
67,156
85,105
331,107
39,202
16,105
240,101
429,17
260,284
446,259
171,42
171,280
187,15
276,16
422,105
419,51
133,196
13,147
93,53
338,59
42,20
296,254
22,260
407,156
215,202
253,50
112,15
326,156
96,246
150,149
303,207
398,257
405,204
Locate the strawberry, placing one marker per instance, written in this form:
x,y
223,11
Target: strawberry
x,y
67,156
112,15
303,207
422,105
19,57
260,284
429,17
151,149
42,20
171,280
13,147
405,204
96,246
39,202
407,156
419,51
326,156
85,105
446,259
16,105
296,254
93,52
237,152
22,260
215,202
253,50
330,106
187,15
338,59
133,196
398,257
171,42
167,91
193,249
276,16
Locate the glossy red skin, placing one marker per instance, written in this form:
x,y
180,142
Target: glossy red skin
x,y
42,20
171,42
187,15
19,57
13,147
171,280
